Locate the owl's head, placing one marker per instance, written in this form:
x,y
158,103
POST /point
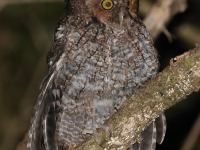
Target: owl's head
x,y
110,12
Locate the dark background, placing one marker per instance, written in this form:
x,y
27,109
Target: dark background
x,y
26,35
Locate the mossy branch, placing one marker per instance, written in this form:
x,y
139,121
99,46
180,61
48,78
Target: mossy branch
x,y
171,86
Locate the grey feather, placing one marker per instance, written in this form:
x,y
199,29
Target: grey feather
x,y
148,138
34,134
161,128
49,124
135,146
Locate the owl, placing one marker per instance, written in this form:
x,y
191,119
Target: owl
x,y
102,54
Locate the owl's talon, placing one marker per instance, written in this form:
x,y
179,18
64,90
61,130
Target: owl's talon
x,y
96,136
102,126
88,131
93,131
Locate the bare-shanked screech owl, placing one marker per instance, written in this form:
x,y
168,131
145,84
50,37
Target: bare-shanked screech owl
x,y
101,55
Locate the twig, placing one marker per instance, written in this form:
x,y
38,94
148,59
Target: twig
x,y
193,136
161,14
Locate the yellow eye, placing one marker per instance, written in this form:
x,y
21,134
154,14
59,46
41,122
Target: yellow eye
x,y
107,4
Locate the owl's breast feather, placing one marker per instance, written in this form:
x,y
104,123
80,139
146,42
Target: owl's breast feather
x,y
99,70
102,65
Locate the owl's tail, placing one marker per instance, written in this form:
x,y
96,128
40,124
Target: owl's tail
x,y
155,132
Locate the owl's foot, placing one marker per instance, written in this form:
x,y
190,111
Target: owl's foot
x,y
94,131
101,139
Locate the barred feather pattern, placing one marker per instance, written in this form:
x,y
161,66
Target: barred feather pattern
x,y
153,134
94,66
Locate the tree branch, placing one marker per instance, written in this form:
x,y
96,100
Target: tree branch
x,y
171,86
193,136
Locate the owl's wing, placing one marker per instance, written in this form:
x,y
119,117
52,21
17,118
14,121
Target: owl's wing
x,y
161,127
43,121
148,138
41,112
49,122
154,133
35,131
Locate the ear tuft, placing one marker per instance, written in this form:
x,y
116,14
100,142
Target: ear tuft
x,y
133,7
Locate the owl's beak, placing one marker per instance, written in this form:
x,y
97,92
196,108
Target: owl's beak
x,y
121,18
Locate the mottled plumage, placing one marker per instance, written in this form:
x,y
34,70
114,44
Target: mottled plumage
x,y
101,55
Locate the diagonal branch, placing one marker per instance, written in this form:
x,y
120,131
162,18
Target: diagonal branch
x,y
171,86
